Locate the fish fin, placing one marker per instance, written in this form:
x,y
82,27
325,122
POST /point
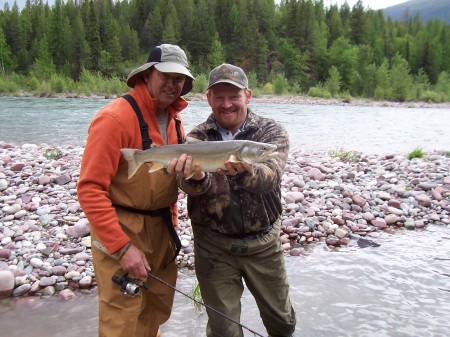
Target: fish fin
x,y
192,140
234,159
133,165
156,167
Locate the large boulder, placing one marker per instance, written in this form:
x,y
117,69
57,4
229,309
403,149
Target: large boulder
x,y
6,283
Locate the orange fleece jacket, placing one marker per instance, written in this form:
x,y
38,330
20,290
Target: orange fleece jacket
x,y
114,127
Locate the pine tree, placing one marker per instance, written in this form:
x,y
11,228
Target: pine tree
x,y
334,24
57,42
171,27
80,52
6,63
358,23
401,79
154,28
217,56
343,55
43,68
93,37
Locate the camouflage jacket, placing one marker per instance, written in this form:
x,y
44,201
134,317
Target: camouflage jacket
x,y
246,203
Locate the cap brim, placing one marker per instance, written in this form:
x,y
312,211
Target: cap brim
x,y
172,67
240,86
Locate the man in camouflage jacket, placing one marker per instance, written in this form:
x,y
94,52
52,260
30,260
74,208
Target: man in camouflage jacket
x,y
246,203
235,213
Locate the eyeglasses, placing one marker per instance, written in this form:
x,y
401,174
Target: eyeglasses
x,y
176,78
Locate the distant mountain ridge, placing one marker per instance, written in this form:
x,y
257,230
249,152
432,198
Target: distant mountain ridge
x,y
427,10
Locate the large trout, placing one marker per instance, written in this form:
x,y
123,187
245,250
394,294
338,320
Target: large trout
x,y
210,155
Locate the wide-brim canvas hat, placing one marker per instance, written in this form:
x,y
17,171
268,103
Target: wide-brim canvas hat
x,y
166,58
228,73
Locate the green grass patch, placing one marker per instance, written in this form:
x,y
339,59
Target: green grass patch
x,y
344,155
197,295
416,153
53,153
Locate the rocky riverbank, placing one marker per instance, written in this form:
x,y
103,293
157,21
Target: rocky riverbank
x,y
308,100
45,247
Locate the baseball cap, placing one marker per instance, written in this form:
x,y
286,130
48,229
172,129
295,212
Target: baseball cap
x,y
166,58
228,73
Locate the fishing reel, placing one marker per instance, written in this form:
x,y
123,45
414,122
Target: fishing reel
x,y
129,286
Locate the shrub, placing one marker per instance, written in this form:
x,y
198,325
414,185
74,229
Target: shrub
x,y
33,83
421,85
58,83
381,93
346,97
334,82
43,89
319,91
267,89
252,79
200,84
116,86
295,88
280,85
315,92
431,96
401,80
88,82
256,92
443,84
7,84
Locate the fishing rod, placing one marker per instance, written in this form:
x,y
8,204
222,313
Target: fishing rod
x,y
205,305
130,287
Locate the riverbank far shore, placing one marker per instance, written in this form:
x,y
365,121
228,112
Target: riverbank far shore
x,y
284,99
308,100
45,246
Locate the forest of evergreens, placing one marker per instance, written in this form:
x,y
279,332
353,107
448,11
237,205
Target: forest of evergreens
x,y
287,46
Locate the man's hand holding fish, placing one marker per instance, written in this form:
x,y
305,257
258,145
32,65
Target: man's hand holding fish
x,y
182,166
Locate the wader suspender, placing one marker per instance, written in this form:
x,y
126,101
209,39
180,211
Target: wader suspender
x,y
165,212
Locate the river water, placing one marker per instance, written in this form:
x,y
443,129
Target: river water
x,y
399,289
57,121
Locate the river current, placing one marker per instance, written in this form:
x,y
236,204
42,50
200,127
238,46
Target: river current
x,y
399,289
62,121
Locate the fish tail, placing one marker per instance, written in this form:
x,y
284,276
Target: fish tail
x,y
133,165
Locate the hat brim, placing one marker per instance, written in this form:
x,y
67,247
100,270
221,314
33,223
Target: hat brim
x,y
172,67
133,76
164,67
240,86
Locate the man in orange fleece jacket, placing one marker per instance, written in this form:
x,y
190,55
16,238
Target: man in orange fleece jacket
x,y
133,218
